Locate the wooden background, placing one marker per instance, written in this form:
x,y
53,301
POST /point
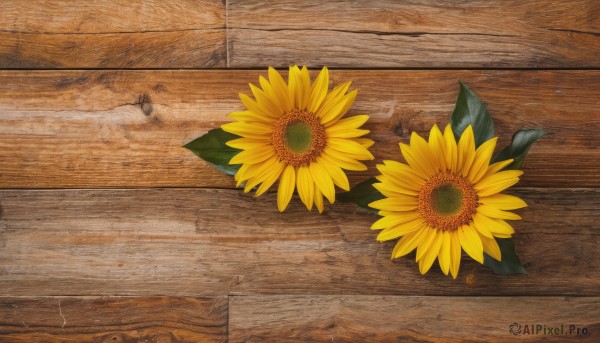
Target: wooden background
x,y
111,232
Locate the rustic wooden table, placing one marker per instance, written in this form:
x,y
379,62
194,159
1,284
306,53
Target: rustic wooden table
x,y
111,232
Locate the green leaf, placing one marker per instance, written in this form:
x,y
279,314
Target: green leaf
x,y
211,147
470,110
362,194
510,264
519,146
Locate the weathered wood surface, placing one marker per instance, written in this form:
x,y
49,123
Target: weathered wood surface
x,y
421,34
194,34
203,242
82,129
112,34
113,319
187,264
409,319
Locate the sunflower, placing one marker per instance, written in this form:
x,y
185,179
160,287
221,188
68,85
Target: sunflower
x,y
294,132
446,197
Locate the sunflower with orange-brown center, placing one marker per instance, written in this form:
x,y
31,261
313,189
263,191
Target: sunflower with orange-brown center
x,y
295,132
445,200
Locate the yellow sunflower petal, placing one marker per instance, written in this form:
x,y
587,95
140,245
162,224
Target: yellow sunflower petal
x,y
334,115
438,146
349,123
401,171
494,212
258,174
256,107
253,155
399,186
250,116
502,229
496,226
246,129
264,102
390,190
343,161
246,143
407,203
399,230
306,186
415,161
406,181
280,88
482,224
470,242
451,149
426,243
319,199
490,247
352,133
305,79
349,147
332,99
271,94
337,111
431,254
466,150
257,170
444,254
498,182
409,242
295,84
287,183
270,178
323,181
365,142
502,235
483,155
318,90
243,173
421,150
394,220
455,254
496,167
336,173
503,201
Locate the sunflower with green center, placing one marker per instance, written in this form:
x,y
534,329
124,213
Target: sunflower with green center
x,y
446,198
294,132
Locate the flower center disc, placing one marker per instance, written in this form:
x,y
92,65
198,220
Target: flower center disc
x,y
447,201
298,137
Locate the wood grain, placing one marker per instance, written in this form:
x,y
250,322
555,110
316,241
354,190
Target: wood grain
x,y
200,242
113,319
415,34
90,129
112,34
408,319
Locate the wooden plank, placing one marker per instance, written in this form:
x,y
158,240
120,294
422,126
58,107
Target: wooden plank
x,y
112,34
113,319
188,242
415,34
411,319
82,129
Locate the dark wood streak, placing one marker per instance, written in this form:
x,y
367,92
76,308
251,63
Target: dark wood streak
x,y
113,319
